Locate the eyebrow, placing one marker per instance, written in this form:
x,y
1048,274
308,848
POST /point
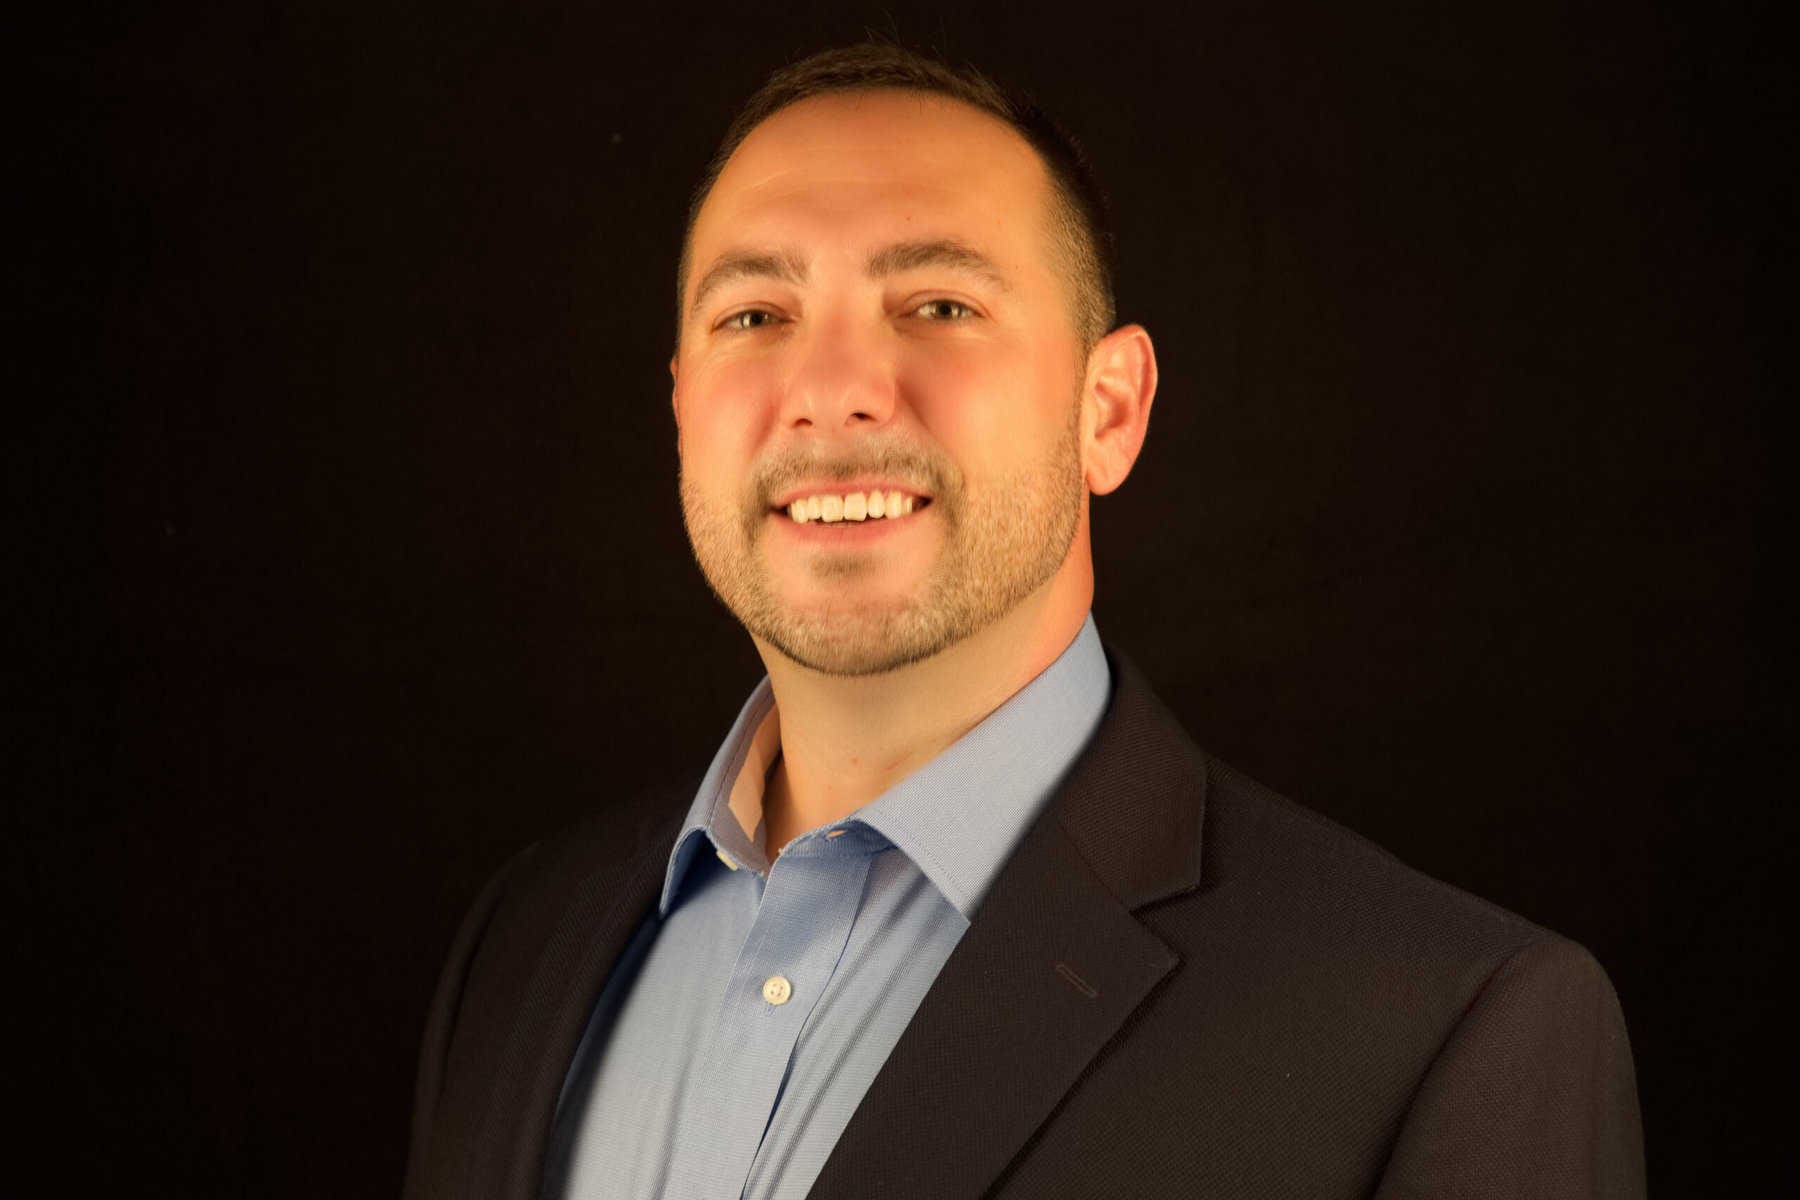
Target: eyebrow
x,y
790,267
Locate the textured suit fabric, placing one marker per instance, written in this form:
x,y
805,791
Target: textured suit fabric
x,y
1180,984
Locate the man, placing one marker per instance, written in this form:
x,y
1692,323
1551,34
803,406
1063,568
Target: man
x,y
958,909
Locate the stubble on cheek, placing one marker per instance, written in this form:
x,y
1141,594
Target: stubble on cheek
x,y
726,541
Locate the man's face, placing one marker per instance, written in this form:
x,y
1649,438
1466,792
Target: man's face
x,y
874,307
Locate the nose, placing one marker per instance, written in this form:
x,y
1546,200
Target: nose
x,y
841,381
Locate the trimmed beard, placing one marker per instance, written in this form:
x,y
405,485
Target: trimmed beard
x,y
997,549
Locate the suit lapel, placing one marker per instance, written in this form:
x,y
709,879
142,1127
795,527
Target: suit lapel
x,y
598,907
1052,966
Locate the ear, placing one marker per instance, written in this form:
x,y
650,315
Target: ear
x,y
675,389
1121,384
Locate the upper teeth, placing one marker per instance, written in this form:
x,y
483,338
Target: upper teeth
x,y
857,506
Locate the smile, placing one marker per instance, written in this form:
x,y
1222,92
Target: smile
x,y
831,508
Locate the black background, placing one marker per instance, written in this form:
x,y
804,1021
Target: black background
x,y
354,560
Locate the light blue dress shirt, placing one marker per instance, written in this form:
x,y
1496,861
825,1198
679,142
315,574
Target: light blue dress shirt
x,y
752,1009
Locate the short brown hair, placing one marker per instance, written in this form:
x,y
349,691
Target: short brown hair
x,y
1081,222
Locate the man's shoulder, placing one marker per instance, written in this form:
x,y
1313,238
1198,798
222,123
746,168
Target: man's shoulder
x,y
1272,864
1260,836
1321,983
1285,886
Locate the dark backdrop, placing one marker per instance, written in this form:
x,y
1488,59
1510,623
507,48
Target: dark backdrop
x,y
354,559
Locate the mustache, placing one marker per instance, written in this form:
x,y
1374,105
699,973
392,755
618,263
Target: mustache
x,y
919,469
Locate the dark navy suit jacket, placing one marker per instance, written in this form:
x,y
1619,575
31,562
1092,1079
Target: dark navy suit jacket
x,y
1180,985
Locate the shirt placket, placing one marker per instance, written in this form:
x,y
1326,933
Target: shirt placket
x,y
803,921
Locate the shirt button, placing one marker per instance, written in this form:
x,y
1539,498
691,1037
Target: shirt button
x,y
776,990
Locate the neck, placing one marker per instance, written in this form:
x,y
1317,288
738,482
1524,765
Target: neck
x,y
845,740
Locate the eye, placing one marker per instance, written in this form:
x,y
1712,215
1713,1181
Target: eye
x,y
750,318
944,310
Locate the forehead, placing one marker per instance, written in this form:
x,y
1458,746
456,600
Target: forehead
x,y
856,161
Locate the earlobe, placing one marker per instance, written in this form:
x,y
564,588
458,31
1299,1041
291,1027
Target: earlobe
x,y
1121,388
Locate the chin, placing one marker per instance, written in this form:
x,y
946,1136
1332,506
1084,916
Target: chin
x,y
864,642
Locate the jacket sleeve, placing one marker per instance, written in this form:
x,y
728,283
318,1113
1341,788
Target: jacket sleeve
x,y
440,1020
1533,1094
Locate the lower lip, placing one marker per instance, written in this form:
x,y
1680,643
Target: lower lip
x,y
848,534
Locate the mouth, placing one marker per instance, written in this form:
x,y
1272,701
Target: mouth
x,y
846,510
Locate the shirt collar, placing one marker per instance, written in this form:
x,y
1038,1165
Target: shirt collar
x,y
958,817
